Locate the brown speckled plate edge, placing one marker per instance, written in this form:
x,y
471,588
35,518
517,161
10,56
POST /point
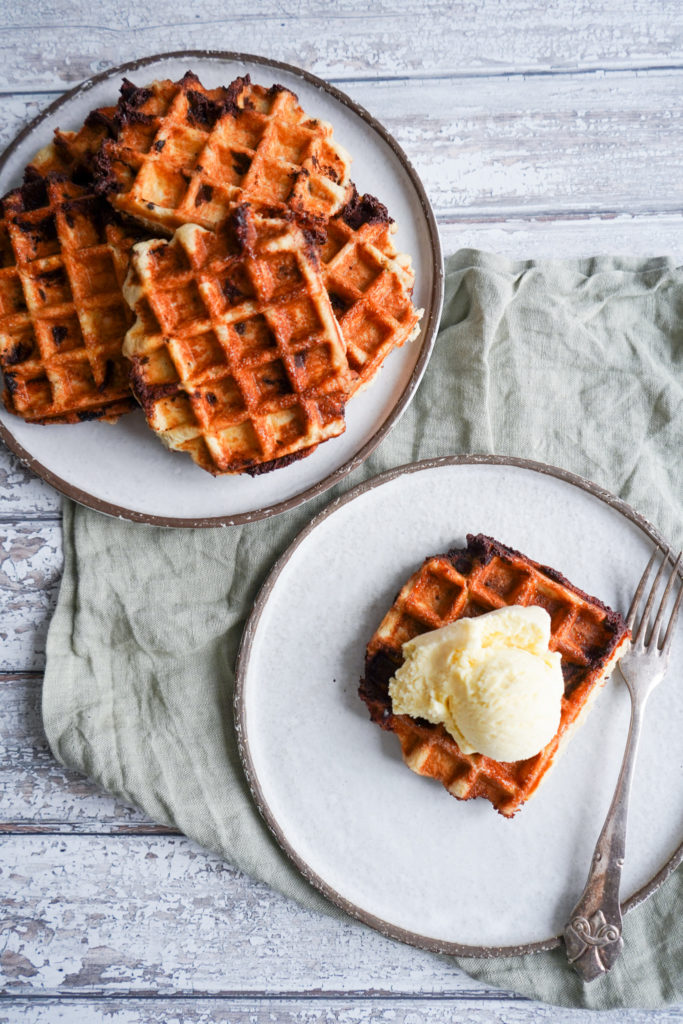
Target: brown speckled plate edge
x,y
429,328
384,927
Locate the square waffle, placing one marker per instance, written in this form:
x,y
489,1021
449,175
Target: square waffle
x,y
467,582
185,154
370,285
236,355
62,312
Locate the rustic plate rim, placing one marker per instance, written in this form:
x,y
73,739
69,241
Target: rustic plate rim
x,y
239,709
428,331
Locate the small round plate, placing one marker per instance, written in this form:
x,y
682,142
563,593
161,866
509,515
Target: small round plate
x,y
123,469
392,848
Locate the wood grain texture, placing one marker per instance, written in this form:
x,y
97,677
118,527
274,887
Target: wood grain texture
x,y
295,1010
30,570
62,42
557,144
140,915
23,495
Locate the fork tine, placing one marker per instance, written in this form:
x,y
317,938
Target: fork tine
x,y
630,618
642,627
654,635
669,635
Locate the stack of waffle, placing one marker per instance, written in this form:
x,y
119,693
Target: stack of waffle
x,y
201,251
467,582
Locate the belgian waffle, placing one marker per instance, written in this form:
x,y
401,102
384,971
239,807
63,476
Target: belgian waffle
x,y
185,154
62,312
236,355
467,582
73,153
370,285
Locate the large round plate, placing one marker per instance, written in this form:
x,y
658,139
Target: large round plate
x,y
395,849
124,470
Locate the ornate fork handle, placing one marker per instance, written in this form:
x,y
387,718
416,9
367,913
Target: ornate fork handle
x,y
593,934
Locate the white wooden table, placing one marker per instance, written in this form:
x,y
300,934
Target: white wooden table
x,y
538,129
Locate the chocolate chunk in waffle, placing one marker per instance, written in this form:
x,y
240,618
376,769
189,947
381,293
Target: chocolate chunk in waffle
x,y
73,153
63,317
467,582
185,154
236,355
370,285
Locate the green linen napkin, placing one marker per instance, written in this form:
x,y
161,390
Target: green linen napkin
x,y
576,364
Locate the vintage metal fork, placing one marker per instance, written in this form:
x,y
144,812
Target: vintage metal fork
x,y
593,935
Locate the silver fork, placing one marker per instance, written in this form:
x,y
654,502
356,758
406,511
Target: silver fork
x,y
593,935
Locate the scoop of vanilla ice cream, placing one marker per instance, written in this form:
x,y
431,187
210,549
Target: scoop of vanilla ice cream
x,y
491,681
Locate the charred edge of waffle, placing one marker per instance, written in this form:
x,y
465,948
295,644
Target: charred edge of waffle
x,y
146,394
259,468
98,118
361,210
110,412
313,227
33,195
382,664
312,230
483,549
202,110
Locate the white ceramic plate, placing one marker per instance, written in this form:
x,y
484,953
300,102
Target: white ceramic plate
x,y
123,469
389,846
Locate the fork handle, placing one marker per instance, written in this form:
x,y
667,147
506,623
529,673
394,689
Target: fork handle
x,y
593,934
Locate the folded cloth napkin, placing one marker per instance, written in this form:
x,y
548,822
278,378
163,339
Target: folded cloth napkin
x,y
576,364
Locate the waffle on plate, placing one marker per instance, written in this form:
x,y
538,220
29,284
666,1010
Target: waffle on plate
x,y
184,154
467,582
73,153
176,154
63,317
236,355
370,285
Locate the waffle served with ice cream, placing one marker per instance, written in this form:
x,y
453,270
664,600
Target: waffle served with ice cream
x,y
246,345
468,582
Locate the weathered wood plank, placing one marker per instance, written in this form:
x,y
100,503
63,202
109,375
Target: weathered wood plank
x,y
568,238
554,144
30,570
323,1010
520,146
157,915
23,495
56,44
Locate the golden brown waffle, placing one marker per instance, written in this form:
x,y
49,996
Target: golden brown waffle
x,y
370,285
237,357
62,312
188,155
73,153
468,582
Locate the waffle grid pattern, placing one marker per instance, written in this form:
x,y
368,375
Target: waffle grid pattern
x,y
190,155
62,313
237,357
170,156
370,286
447,588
